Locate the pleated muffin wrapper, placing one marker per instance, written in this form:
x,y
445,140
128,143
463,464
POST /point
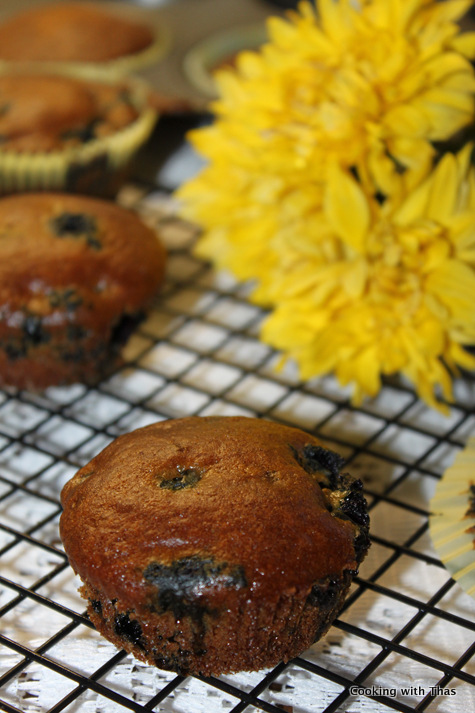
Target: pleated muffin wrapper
x,y
118,67
98,167
452,523
247,636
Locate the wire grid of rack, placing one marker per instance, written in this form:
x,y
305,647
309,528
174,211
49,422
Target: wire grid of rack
x,y
405,638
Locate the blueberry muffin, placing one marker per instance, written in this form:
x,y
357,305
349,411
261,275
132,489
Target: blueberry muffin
x,y
47,112
72,32
76,275
218,544
62,132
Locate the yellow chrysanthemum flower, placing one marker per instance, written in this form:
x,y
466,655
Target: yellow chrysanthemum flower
x,y
366,85
320,187
389,287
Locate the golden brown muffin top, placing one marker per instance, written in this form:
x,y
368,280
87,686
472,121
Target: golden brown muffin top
x,y
46,113
215,506
53,243
70,32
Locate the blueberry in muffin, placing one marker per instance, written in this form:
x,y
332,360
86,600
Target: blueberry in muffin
x,y
47,112
76,275
61,132
214,544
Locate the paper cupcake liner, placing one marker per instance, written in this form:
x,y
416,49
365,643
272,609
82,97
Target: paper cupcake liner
x,y
204,58
118,67
112,69
97,167
450,522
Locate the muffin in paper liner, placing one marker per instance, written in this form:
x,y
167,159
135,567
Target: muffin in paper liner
x,y
211,545
452,523
98,166
113,68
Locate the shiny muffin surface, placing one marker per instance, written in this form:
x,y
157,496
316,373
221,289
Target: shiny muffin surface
x,y
42,113
76,275
214,544
68,31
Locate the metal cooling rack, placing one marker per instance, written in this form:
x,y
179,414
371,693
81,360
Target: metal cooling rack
x,y
406,633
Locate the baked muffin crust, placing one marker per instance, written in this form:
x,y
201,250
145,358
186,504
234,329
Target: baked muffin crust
x,y
42,113
68,31
214,544
76,273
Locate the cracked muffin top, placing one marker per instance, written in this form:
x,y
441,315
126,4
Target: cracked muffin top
x,y
71,32
42,113
212,507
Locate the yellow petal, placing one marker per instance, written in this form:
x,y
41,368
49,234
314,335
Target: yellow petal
x,y
462,357
446,120
460,82
367,371
464,160
414,207
383,170
250,64
280,31
443,190
467,256
460,101
452,10
346,208
412,152
463,231
454,284
443,65
465,44
407,10
330,18
407,121
355,278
